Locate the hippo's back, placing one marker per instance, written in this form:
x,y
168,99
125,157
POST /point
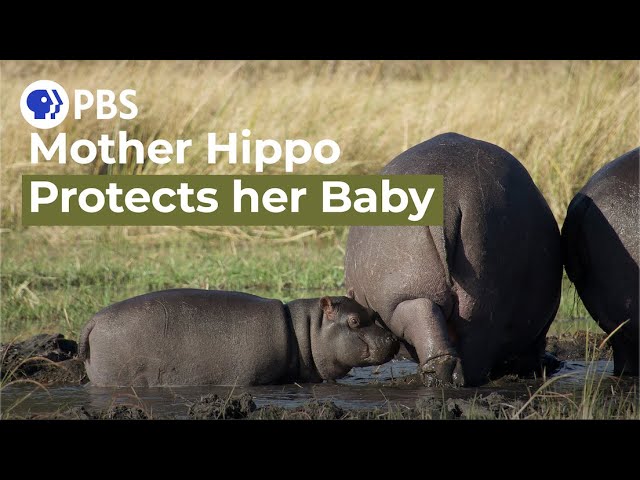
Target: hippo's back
x,y
187,336
496,259
613,190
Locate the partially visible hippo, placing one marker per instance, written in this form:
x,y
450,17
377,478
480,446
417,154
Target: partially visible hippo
x,y
601,239
476,296
209,337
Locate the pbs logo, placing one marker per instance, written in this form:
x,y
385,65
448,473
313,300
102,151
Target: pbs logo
x,y
44,104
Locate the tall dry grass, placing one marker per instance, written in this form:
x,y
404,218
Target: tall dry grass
x,y
563,120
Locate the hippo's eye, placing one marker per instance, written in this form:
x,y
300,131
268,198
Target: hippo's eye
x,y
354,321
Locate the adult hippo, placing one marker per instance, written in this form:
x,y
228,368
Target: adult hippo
x,y
208,337
474,297
600,239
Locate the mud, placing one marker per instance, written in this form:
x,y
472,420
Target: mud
x,y
213,407
44,358
312,410
493,406
51,359
391,391
573,346
115,412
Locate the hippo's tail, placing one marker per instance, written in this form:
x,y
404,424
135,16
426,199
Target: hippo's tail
x,y
574,254
83,345
446,240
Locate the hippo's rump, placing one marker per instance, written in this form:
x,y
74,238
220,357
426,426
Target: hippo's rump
x,y
493,260
490,204
601,244
493,214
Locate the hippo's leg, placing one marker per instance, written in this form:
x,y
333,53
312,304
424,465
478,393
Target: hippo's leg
x,y
422,323
625,356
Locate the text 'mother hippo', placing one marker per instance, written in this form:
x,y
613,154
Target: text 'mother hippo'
x,y
477,295
601,239
208,337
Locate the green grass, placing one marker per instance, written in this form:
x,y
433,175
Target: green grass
x,y
572,314
54,285
48,286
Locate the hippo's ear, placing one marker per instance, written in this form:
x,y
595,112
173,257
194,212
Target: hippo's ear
x,y
351,294
327,307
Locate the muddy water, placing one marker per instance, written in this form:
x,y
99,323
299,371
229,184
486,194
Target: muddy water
x,y
367,387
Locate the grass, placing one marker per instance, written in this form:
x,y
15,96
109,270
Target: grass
x,y
47,287
59,289
596,395
563,120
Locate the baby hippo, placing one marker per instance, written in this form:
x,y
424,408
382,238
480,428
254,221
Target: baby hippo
x,y
209,337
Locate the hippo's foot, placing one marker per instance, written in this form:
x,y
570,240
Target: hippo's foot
x,y
549,363
443,370
625,356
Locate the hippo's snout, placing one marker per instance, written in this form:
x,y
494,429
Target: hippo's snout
x,y
382,348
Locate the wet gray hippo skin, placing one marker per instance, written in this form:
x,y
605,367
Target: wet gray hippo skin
x,y
601,239
476,296
207,337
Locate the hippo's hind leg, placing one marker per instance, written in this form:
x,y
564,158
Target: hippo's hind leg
x,y
528,360
625,355
422,323
533,361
